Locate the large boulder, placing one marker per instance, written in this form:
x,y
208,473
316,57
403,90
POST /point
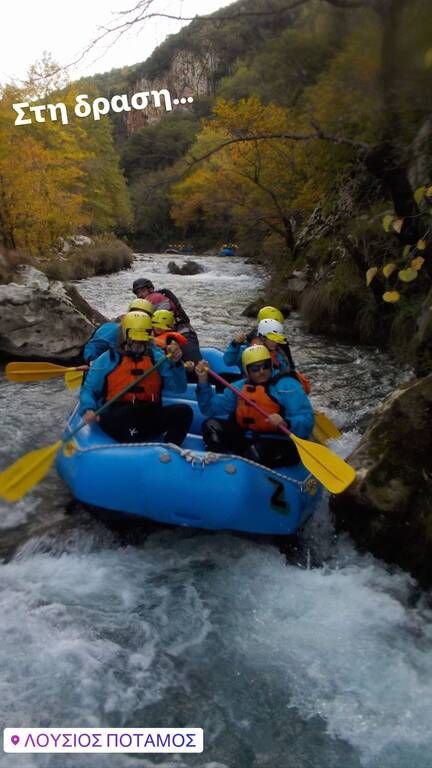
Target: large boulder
x,y
40,319
252,309
188,268
388,510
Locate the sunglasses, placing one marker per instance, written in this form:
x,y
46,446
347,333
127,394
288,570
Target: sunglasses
x,y
256,367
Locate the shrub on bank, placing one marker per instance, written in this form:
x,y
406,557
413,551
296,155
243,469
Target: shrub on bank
x,y
9,263
105,254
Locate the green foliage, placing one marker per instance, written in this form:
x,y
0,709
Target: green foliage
x,y
151,205
341,304
106,199
225,40
158,145
281,72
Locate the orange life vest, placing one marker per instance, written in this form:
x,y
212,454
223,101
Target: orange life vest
x,y
148,390
249,418
165,338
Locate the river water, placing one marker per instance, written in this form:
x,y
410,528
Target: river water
x,y
315,659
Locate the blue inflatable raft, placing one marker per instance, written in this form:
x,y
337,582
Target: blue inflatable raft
x,y
186,486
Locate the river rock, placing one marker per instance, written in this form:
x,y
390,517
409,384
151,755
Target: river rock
x,y
188,268
75,241
252,309
40,319
388,510
297,282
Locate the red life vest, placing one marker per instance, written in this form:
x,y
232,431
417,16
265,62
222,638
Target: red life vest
x,y
148,390
247,417
165,338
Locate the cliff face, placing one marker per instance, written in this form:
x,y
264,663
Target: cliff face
x,y
189,75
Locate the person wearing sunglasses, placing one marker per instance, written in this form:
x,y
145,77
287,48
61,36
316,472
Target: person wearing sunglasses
x,y
270,333
234,426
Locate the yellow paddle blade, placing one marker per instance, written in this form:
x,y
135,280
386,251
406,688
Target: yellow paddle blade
x,y
327,427
73,379
33,371
26,472
332,471
318,435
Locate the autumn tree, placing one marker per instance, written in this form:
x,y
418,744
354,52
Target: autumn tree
x,y
55,178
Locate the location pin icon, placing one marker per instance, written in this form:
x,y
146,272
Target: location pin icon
x,y
15,740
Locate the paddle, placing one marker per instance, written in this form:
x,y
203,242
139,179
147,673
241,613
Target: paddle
x,y
26,472
73,379
38,371
332,471
324,429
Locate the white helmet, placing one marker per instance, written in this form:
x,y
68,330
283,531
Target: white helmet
x,y
272,330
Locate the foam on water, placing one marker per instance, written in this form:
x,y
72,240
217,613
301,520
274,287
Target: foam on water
x,y
281,664
220,632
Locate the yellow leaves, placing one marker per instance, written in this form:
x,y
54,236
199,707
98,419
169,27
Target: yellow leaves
x,y
427,59
387,222
390,222
262,180
423,194
407,275
388,269
55,179
248,117
419,194
421,245
391,297
417,263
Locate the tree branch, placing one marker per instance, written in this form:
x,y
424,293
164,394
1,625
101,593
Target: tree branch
x,y
143,12
318,134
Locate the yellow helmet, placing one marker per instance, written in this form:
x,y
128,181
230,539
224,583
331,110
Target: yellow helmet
x,y
164,319
272,330
136,326
255,354
141,305
270,313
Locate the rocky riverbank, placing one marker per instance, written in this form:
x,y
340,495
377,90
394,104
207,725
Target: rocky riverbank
x,y
43,320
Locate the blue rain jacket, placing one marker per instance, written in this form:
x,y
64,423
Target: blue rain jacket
x,y
287,391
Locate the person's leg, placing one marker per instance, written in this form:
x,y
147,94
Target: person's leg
x,y
124,423
175,421
274,452
128,423
223,436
